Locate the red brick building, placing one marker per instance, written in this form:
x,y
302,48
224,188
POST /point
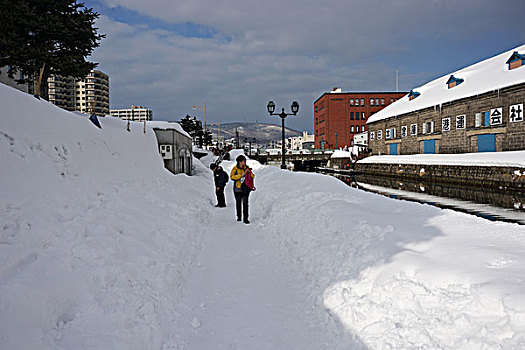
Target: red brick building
x,y
338,116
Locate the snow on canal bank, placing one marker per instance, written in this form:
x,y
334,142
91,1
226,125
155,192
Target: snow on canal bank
x,y
100,247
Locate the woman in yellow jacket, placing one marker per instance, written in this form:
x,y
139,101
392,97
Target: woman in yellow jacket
x,y
241,189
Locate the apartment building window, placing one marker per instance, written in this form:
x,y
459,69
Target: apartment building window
x,y
351,102
362,128
362,115
371,102
362,102
352,129
377,102
382,102
372,134
351,115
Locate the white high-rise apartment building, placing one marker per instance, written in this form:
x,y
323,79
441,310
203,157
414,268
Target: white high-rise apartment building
x,y
85,95
135,113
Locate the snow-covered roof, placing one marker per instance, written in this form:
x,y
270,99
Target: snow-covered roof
x,y
168,125
488,75
339,153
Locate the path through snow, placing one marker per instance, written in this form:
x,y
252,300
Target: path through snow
x,y
243,295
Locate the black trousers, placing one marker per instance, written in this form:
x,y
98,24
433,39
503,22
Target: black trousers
x,y
241,198
221,201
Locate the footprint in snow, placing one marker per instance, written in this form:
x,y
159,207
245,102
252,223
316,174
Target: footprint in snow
x,y
499,262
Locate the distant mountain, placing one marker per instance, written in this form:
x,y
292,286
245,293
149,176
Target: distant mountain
x,y
263,133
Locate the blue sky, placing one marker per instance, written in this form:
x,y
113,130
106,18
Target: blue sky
x,y
235,55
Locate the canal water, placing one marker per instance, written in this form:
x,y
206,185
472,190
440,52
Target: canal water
x,y
508,206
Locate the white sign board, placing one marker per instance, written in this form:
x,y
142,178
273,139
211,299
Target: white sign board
x,y
166,151
496,116
516,113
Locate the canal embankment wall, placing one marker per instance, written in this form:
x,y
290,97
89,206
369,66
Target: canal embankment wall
x,y
487,176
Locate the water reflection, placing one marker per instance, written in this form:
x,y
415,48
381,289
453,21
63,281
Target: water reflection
x,y
489,204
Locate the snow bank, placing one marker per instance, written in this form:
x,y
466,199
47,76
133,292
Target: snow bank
x,y
399,275
167,125
97,238
507,159
98,242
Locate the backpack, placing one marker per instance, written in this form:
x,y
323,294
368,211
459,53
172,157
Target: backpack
x,y
248,180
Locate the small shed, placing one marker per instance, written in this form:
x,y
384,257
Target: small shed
x,y
175,146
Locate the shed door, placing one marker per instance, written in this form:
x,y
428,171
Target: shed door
x,y
393,149
487,143
430,146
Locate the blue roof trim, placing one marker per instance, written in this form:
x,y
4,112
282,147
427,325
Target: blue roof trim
x,y
413,93
515,57
454,79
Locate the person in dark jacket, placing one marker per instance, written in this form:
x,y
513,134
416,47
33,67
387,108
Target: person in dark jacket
x,y
221,179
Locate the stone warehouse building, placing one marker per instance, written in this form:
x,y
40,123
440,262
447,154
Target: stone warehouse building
x,y
476,109
338,116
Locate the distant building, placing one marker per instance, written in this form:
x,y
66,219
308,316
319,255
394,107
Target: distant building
x,y
479,108
135,113
297,143
85,95
361,139
338,115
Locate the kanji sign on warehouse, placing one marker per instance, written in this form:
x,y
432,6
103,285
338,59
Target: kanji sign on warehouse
x,y
496,116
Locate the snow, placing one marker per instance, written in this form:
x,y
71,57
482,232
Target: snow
x,y
167,126
502,159
102,248
485,76
339,153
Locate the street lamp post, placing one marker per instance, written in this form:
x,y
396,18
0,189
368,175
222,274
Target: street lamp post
x,y
249,142
283,115
195,107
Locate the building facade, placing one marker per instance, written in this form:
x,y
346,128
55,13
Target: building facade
x,y
85,95
297,143
338,116
135,113
477,109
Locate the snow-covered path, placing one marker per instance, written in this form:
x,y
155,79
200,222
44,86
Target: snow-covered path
x,y
243,295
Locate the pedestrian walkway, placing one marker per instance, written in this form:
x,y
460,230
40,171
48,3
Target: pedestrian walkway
x,y
243,295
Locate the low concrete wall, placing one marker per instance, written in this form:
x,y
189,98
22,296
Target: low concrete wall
x,y
508,178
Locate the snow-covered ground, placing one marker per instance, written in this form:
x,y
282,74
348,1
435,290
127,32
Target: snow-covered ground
x,y
101,248
506,159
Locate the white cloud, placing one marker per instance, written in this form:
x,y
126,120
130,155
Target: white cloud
x,y
285,51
